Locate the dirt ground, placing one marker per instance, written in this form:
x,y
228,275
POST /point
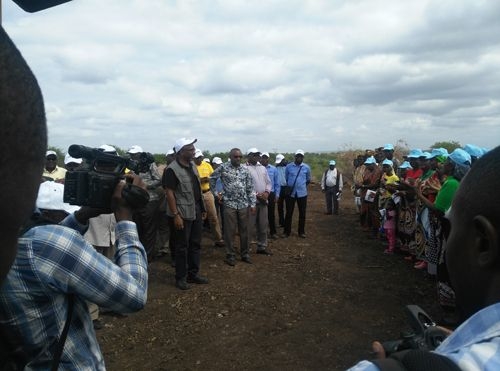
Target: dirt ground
x,y
316,304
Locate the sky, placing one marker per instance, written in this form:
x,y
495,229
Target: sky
x,y
278,75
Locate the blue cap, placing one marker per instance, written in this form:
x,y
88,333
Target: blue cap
x,y
332,162
439,152
415,153
426,155
405,165
461,157
370,160
388,147
387,162
473,150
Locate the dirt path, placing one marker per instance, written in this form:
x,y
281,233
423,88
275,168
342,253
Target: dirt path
x,y
316,304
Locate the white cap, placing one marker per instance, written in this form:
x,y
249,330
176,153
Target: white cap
x,y
279,158
107,148
253,150
299,152
179,143
50,197
48,153
265,154
135,149
170,152
68,159
217,160
206,159
198,153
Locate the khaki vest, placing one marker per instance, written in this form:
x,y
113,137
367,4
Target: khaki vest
x,y
184,195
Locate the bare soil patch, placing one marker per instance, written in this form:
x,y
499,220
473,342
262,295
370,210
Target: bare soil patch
x,y
316,304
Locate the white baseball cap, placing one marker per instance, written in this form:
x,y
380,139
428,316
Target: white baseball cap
x,y
68,159
107,149
253,150
50,197
198,153
181,142
279,158
217,160
265,154
299,152
48,153
135,149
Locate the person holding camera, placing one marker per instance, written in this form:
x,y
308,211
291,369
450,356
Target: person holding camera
x,y
471,228
148,217
43,309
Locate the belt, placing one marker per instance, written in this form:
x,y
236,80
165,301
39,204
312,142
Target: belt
x,y
208,190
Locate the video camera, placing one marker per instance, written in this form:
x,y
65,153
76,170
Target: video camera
x,y
144,162
425,335
94,182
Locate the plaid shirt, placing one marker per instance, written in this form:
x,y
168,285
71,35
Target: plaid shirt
x,y
473,346
53,261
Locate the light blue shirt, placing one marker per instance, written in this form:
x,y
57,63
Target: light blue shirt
x,y
273,175
474,345
303,178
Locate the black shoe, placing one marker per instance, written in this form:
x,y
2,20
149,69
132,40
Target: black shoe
x,y
246,259
181,284
263,252
230,261
200,280
97,324
302,235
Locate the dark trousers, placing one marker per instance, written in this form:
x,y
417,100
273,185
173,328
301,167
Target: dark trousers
x,y
147,226
236,220
271,206
281,208
290,205
332,204
187,246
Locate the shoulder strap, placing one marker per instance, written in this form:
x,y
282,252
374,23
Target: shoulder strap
x,y
64,334
296,176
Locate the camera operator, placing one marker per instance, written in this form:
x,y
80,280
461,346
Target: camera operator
x,y
56,270
472,231
147,218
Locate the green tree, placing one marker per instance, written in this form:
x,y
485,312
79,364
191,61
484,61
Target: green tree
x,y
450,146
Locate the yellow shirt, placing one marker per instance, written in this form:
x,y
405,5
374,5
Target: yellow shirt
x,y
205,170
388,179
57,174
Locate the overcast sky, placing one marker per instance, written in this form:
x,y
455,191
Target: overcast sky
x,y
276,75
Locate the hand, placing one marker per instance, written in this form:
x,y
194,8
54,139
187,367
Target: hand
x,y
378,350
203,215
178,222
85,213
119,206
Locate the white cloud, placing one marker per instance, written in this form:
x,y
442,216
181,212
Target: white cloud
x,y
282,75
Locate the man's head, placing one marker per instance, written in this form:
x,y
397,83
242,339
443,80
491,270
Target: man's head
x,y
50,202
198,157
170,156
235,157
387,166
184,149
135,152
299,156
253,156
216,162
473,237
50,160
332,164
71,163
388,151
280,159
264,158
370,163
24,141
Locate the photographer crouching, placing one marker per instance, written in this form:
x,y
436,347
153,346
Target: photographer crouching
x,y
45,322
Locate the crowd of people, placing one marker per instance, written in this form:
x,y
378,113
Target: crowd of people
x,y
405,202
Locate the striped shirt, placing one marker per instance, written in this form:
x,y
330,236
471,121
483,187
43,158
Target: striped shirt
x,y
53,261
